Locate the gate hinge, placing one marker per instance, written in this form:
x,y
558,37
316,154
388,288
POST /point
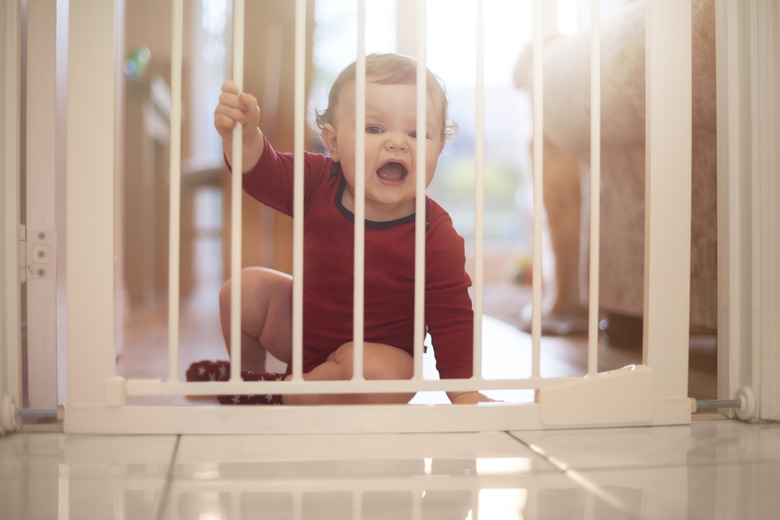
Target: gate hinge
x,y
40,250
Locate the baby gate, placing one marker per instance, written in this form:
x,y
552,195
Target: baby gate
x,y
654,392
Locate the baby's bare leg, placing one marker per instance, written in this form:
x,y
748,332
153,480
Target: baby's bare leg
x,y
379,362
266,316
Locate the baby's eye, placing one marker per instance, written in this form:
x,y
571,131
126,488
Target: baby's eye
x,y
413,135
373,129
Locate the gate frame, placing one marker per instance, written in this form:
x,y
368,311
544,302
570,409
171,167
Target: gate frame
x,y
654,393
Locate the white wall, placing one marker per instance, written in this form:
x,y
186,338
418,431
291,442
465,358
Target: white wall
x,y
749,204
9,218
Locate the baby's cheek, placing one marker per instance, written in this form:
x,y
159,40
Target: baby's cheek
x,y
432,168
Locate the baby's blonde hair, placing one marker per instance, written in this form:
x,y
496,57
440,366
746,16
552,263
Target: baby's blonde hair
x,y
390,69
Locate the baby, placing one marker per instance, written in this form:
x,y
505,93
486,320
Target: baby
x,y
390,173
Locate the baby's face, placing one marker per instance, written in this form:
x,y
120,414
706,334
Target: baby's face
x,y
390,147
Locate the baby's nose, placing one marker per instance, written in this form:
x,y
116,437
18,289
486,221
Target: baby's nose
x,y
396,142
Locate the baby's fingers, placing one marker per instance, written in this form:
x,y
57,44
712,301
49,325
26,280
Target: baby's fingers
x,y
236,104
236,107
250,107
231,100
230,88
230,110
224,124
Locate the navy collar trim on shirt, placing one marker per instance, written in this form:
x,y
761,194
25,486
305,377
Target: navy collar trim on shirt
x,y
370,224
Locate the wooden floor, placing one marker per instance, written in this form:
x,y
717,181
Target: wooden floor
x,y
145,351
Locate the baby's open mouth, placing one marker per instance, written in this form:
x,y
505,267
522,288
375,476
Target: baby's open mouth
x,y
392,172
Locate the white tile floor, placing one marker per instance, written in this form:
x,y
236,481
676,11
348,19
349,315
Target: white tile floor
x,y
712,469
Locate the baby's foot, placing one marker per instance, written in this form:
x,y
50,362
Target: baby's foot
x,y
248,375
208,370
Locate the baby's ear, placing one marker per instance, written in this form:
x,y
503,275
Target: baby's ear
x,y
330,140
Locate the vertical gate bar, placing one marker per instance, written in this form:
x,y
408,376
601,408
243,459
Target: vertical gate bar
x,y
416,506
668,197
300,117
235,506
174,216
595,187
538,133
360,191
235,199
90,229
479,194
357,496
297,505
420,213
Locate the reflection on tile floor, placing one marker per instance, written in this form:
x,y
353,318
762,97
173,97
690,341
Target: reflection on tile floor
x,y
715,469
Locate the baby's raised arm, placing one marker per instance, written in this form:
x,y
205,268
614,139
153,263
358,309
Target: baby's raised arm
x,y
239,107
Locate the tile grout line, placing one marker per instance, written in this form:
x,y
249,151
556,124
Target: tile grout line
x,y
168,481
577,477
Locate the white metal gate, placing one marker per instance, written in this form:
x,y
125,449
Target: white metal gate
x,y
654,392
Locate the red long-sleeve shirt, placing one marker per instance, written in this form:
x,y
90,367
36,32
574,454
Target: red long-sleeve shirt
x,y
389,268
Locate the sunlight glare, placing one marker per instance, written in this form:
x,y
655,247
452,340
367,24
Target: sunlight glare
x,y
502,504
